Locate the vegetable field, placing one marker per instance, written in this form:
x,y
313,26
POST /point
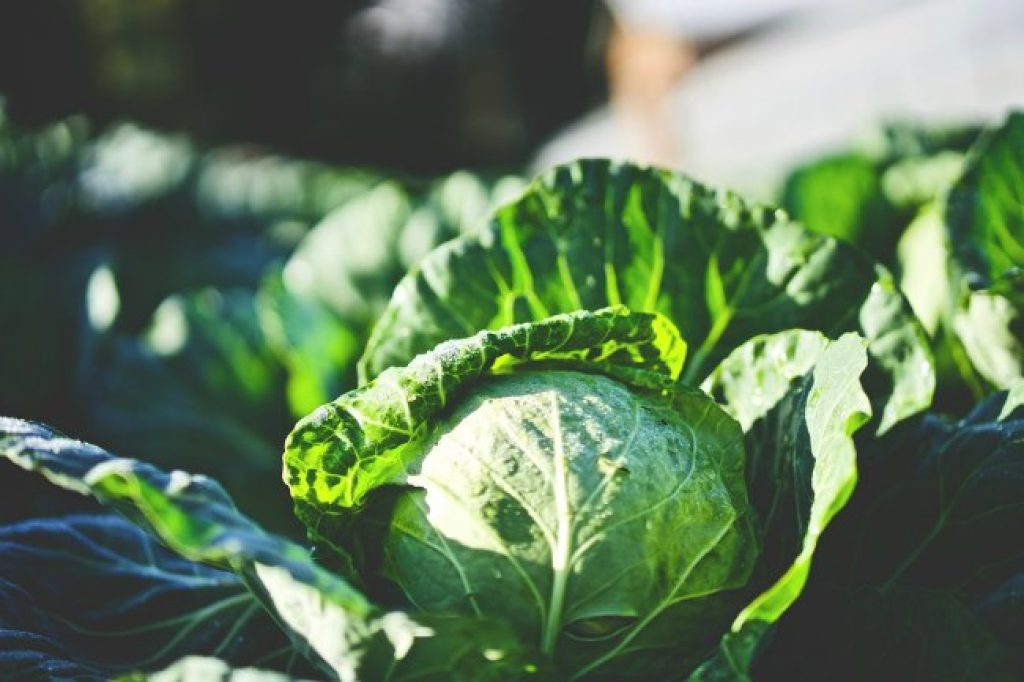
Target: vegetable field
x,y
608,423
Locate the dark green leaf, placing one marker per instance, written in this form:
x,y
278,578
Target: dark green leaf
x,y
94,595
327,620
918,576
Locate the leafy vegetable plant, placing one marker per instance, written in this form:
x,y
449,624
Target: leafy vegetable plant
x,y
632,428
944,210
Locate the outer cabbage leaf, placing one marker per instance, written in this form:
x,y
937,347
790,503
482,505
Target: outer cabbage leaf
x,y
923,253
328,620
89,596
984,210
367,437
920,576
985,217
597,233
800,401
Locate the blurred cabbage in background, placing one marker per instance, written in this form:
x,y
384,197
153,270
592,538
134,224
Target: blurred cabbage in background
x,y
188,304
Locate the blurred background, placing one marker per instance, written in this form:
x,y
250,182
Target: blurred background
x,y
429,86
417,85
205,203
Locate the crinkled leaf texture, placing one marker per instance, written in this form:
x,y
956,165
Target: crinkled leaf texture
x,y
93,595
326,619
367,437
597,233
985,218
798,395
921,575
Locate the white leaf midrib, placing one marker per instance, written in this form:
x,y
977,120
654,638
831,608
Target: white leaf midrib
x,y
561,554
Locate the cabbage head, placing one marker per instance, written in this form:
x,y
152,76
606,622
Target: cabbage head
x,y
548,499
555,478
